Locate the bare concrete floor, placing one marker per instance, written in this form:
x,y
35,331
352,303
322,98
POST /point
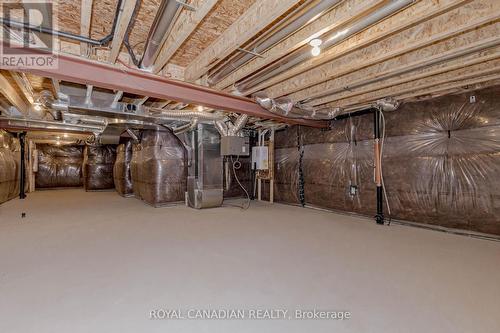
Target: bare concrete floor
x,y
96,262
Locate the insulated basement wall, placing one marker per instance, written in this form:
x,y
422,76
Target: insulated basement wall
x,y
244,174
59,166
98,167
441,163
10,154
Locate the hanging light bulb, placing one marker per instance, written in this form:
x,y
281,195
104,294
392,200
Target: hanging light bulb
x,y
315,51
199,108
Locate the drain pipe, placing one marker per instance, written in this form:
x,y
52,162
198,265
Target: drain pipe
x,y
330,40
22,141
318,10
48,31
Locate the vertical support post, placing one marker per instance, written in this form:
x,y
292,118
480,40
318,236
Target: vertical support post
x,y
379,217
22,141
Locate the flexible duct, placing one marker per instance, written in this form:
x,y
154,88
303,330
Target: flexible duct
x,y
285,107
319,9
186,127
330,40
229,128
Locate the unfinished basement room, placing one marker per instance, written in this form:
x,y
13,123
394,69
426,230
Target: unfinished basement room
x,y
250,166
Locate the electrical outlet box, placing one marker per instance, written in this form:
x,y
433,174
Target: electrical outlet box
x,y
234,145
353,190
260,158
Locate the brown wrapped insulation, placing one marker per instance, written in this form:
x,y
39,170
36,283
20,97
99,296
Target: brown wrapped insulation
x,y
441,163
98,167
244,174
59,166
9,166
121,171
159,168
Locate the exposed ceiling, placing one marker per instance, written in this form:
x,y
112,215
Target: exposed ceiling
x,y
374,48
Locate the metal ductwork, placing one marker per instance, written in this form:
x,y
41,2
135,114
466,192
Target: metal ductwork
x,y
48,125
159,30
127,111
229,128
296,23
205,174
286,108
333,38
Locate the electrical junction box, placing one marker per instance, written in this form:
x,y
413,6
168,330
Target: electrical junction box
x,y
234,145
260,157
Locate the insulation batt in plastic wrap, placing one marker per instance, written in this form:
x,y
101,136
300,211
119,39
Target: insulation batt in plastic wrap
x,y
98,167
121,171
9,166
159,168
441,163
59,166
244,174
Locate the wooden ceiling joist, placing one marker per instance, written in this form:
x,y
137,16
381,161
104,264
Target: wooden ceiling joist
x,y
10,92
350,56
420,12
24,85
85,21
428,76
184,26
474,72
345,12
260,15
124,17
359,67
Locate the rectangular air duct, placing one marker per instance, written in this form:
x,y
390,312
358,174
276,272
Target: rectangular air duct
x,y
205,175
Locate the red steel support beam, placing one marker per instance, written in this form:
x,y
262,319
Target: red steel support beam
x,y
84,71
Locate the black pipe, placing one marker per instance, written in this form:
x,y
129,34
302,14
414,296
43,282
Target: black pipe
x,y
69,35
379,217
22,141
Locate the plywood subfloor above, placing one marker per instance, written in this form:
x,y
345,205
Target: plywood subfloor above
x,y
225,13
